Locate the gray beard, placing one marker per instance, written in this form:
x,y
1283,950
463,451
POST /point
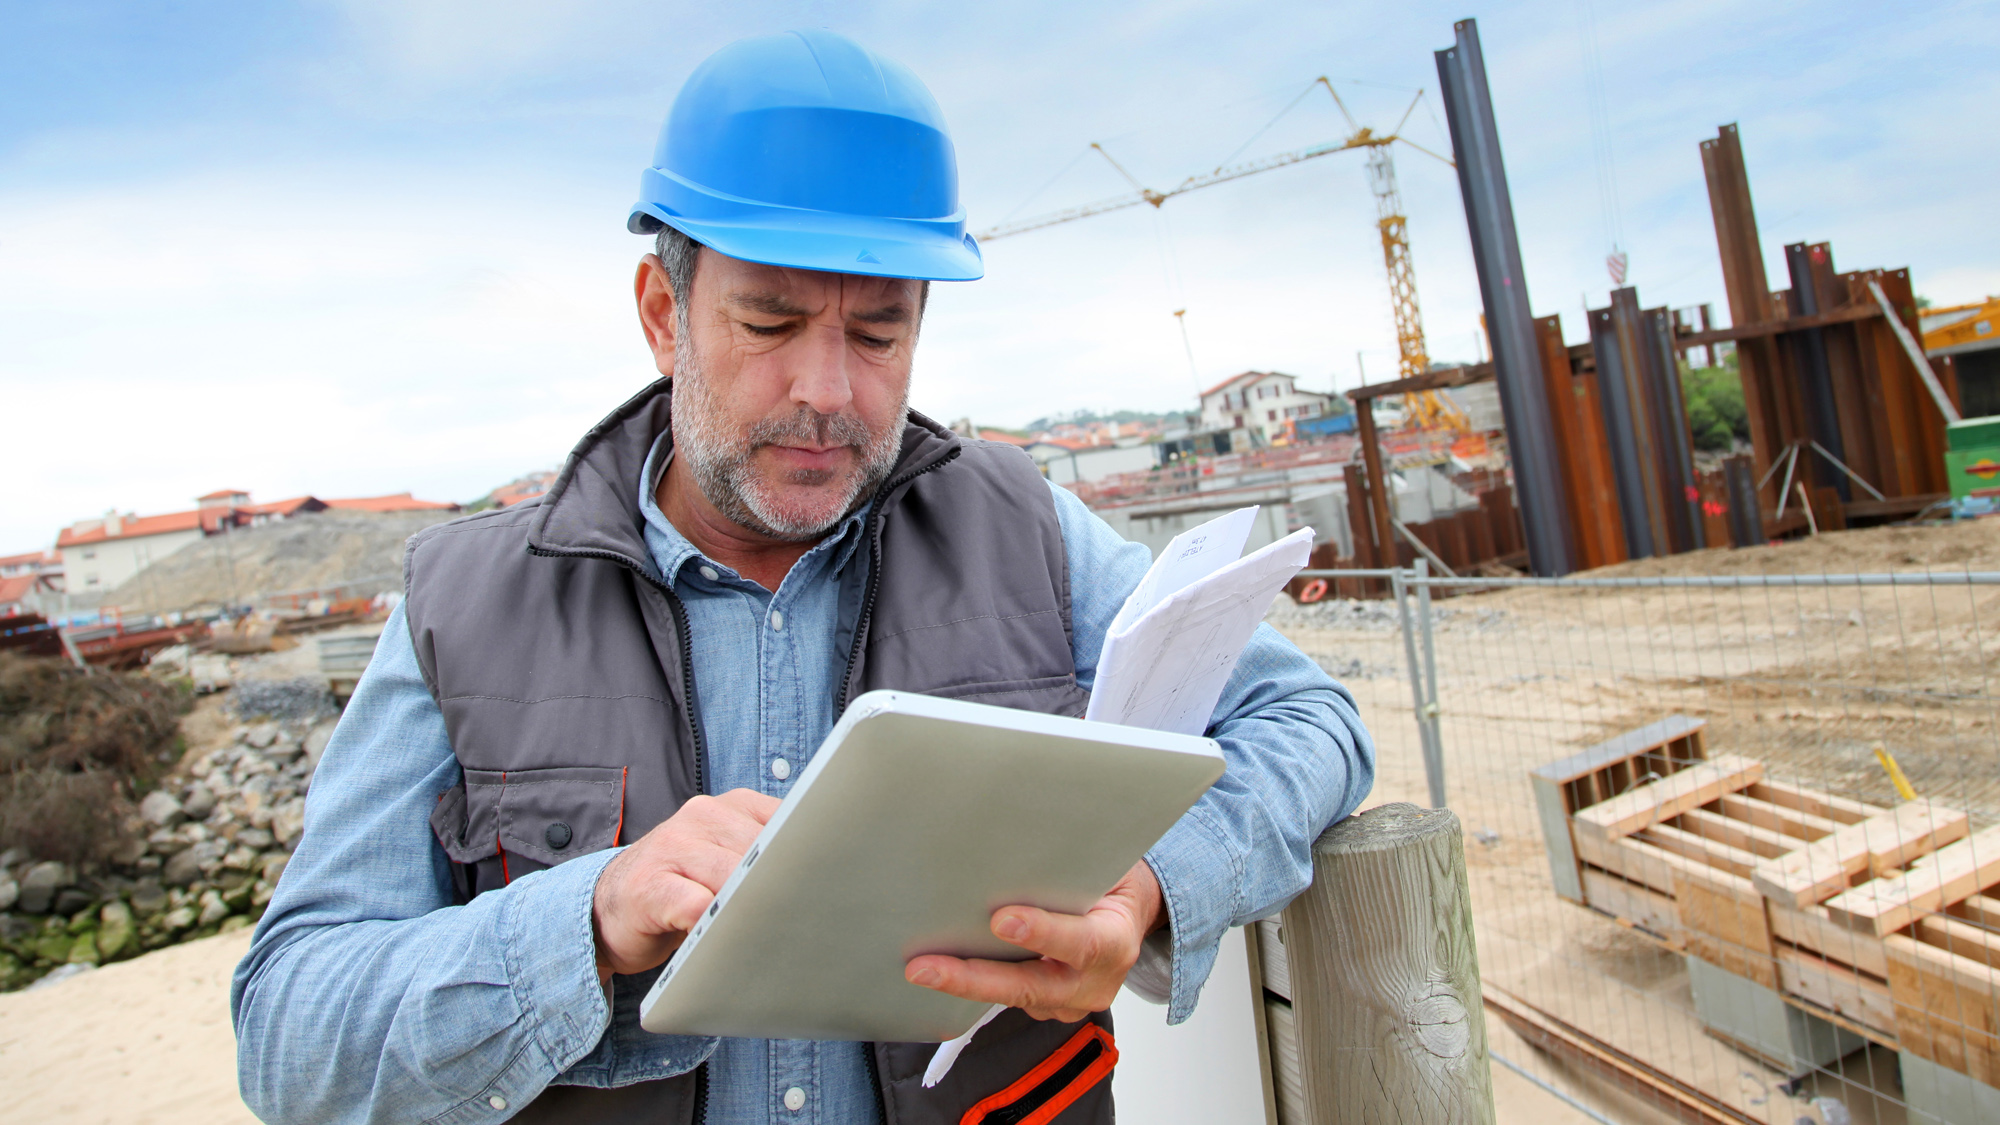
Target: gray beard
x,y
720,462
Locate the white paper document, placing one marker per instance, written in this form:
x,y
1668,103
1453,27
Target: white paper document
x,y
1173,645
1175,641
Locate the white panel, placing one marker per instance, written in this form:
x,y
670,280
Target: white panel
x,y
1203,1072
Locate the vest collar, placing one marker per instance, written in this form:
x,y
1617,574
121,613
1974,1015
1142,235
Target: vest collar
x,y
593,508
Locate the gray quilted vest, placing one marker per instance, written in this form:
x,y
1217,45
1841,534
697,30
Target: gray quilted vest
x,y
564,676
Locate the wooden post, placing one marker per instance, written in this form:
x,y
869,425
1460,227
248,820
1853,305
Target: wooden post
x,y
1383,976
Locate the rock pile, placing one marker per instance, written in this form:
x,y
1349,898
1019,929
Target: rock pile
x,y
202,856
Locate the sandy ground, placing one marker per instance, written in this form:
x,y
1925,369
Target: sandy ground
x,y
148,1042
142,1042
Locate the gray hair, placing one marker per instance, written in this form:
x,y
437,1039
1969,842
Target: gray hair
x,y
679,254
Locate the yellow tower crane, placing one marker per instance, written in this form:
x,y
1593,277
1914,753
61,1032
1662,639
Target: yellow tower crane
x,y
1424,409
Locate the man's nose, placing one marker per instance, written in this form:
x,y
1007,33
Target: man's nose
x,y
821,379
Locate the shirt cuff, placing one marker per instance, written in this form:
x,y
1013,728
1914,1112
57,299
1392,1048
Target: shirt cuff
x,y
549,949
1201,898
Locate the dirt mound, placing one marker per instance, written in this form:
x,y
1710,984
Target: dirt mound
x,y
306,552
73,751
1968,545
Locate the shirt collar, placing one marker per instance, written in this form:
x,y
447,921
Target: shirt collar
x,y
672,551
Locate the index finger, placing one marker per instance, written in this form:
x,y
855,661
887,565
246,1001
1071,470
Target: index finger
x,y
758,806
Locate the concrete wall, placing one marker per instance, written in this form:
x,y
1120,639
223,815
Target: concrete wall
x,y
1158,531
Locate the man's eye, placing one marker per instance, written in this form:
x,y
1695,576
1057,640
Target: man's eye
x,y
873,341
766,329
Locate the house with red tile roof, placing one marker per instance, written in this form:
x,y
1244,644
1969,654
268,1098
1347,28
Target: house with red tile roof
x,y
399,502
98,554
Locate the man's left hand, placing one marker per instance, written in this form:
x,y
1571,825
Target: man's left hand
x,y
1084,957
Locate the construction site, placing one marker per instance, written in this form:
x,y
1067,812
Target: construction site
x,y
1720,723
1718,716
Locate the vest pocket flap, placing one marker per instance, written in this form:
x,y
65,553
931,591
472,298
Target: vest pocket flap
x,y
451,823
552,815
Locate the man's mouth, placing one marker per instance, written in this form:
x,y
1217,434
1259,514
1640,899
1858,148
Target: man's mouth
x,y
812,458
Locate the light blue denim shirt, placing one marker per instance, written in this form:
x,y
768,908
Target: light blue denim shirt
x,y
368,996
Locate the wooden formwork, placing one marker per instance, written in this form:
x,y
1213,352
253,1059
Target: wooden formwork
x,y
1885,921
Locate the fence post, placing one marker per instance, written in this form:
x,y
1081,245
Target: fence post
x,y
1384,978
1423,686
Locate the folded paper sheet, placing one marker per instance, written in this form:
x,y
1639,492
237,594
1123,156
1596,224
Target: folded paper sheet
x,y
1174,643
1166,659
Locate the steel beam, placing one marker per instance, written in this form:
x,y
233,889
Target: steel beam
x,y
1614,395
1496,251
1815,378
1770,404
1680,490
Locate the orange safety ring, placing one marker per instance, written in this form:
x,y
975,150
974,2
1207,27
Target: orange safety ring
x,y
1313,591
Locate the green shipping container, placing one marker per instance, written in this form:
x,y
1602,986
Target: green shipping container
x,y
1972,457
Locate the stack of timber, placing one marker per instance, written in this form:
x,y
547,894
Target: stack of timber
x,y
1881,921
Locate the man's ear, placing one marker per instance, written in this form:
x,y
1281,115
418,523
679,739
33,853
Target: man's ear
x,y
656,311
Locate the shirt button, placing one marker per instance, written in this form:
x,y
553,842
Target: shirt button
x,y
777,620
709,573
795,1099
781,769
497,1102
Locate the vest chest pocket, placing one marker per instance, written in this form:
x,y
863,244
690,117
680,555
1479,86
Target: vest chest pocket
x,y
531,819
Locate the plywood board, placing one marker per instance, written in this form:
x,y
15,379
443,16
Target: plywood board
x,y
1724,918
1668,797
1813,802
1950,874
1947,1008
1687,845
1735,833
1778,818
1825,867
1839,989
1641,906
1813,928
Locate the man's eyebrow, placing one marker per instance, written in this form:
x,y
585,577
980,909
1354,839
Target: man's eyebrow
x,y
888,314
770,304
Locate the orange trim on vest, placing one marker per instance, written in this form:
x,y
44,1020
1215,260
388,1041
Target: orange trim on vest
x,y
1064,1098
623,772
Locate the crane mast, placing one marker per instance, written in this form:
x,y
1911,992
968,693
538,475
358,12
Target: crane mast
x,y
1412,358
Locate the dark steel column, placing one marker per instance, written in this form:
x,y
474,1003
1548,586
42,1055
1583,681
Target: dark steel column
x,y
1622,435
1489,215
1815,376
1672,441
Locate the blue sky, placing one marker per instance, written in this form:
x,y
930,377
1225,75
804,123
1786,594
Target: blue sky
x,y
354,246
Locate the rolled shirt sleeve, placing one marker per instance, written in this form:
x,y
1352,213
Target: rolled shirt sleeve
x,y
1297,759
368,994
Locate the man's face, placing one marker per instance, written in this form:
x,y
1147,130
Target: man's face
x,y
789,387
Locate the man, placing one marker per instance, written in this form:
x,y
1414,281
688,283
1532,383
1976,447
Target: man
x,y
587,707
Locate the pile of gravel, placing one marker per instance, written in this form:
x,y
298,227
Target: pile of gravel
x,y
1380,615
202,856
297,702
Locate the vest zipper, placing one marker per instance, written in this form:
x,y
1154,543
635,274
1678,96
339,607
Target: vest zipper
x,y
875,575
679,612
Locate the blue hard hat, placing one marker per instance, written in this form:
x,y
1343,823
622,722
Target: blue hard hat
x,y
808,150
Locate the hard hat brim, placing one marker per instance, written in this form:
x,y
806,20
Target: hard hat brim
x,y
893,248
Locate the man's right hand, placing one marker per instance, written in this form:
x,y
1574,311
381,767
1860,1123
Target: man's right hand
x,y
653,893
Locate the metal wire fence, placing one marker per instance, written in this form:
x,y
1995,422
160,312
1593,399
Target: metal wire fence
x,y
1699,893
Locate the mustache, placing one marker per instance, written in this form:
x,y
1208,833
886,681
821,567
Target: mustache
x,y
806,426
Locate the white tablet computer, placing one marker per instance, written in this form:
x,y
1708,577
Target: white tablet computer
x,y
916,820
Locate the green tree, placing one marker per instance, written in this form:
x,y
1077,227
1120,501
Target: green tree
x,y
1714,395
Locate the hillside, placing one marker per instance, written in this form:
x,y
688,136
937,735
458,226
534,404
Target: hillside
x,y
305,552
